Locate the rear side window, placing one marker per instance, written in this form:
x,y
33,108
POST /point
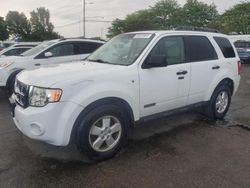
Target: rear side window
x,y
199,48
86,47
225,46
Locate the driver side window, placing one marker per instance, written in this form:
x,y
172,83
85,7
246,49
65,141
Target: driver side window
x,y
62,50
171,47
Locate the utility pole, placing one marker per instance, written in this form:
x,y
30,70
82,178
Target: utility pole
x,y
84,19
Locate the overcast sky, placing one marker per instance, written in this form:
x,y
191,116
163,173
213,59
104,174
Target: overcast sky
x,y
67,14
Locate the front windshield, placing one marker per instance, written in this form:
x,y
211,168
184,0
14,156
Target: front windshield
x,y
122,50
38,48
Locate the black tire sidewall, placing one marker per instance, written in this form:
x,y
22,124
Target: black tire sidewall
x,y
218,90
11,84
85,126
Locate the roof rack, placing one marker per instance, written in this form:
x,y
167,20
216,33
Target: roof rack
x,y
190,28
62,39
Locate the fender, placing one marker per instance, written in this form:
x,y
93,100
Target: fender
x,y
96,91
217,79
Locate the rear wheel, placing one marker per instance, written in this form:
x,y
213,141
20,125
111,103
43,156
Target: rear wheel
x,y
102,132
219,103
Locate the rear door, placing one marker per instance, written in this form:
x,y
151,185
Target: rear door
x,y
204,65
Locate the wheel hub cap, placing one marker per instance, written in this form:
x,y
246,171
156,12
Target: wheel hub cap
x,y
222,102
105,133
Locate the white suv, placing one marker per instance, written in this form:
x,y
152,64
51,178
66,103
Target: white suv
x,y
46,54
132,78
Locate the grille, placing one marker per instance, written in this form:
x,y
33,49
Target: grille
x,y
21,94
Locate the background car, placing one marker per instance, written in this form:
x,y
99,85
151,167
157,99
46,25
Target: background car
x,y
243,49
5,44
17,49
48,53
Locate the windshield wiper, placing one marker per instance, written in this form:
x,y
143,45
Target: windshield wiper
x,y
98,61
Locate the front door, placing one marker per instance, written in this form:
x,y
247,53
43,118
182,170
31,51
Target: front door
x,y
165,88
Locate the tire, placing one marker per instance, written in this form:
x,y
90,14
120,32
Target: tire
x,y
93,124
220,110
10,85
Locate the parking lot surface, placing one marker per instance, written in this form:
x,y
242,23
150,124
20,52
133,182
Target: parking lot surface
x,y
185,150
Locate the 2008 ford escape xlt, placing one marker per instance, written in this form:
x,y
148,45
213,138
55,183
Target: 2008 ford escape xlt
x,y
94,103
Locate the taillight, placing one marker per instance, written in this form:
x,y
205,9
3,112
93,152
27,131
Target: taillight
x,y
239,67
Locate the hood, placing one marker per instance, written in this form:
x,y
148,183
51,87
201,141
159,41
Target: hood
x,y
7,59
70,72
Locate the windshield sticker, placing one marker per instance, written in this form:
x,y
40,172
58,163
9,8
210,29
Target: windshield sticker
x,y
142,36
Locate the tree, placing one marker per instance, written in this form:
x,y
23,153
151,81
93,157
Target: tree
x,y
139,20
236,19
166,14
3,30
18,25
41,27
198,14
116,28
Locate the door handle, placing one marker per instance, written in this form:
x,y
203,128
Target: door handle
x,y
216,67
37,64
182,72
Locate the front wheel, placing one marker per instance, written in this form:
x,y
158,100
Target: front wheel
x,y
10,86
219,103
102,132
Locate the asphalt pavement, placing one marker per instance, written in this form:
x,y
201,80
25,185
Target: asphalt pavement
x,y
184,150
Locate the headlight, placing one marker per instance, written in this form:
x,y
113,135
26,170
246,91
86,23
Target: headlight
x,y
4,65
39,97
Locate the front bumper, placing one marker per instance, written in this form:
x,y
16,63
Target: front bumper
x,y
51,124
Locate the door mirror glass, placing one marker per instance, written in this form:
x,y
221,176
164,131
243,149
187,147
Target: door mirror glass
x,y
48,54
155,61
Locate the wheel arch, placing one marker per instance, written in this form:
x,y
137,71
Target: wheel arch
x,y
12,75
105,101
225,80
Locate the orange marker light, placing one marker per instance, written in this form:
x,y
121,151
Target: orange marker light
x,y
55,95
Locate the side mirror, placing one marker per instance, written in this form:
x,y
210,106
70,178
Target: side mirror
x,y
48,54
155,61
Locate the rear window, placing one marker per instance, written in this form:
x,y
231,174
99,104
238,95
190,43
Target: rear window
x,y
242,44
199,48
225,46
